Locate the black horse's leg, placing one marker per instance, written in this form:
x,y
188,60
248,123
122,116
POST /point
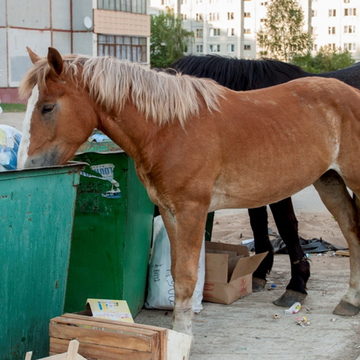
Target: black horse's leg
x,y
259,226
287,224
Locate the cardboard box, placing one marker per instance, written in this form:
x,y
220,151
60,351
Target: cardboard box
x,y
102,339
228,272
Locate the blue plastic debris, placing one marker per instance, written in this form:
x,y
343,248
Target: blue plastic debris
x,y
9,145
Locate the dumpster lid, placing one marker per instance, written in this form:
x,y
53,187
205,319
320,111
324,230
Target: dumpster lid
x,y
99,143
70,167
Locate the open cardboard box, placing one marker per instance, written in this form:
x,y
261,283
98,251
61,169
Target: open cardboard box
x,y
228,272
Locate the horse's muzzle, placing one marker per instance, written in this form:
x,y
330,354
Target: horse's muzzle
x,y
48,158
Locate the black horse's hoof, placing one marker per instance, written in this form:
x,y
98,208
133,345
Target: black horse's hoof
x,y
258,284
346,309
289,297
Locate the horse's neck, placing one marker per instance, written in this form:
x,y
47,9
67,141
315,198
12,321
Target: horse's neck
x,y
129,129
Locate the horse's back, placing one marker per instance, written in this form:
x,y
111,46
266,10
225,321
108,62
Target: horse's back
x,y
303,119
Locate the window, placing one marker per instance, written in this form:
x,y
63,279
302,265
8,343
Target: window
x,y
198,17
264,3
331,30
231,32
247,47
331,46
349,29
350,12
183,16
247,14
199,48
214,48
134,6
199,33
131,48
332,12
314,13
214,32
214,16
350,46
247,31
230,16
231,47
346,1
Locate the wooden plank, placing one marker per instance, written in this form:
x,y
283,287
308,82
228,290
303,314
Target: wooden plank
x,y
94,336
105,324
72,350
97,351
114,322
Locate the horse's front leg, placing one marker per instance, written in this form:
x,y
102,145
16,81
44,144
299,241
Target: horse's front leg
x,y
185,228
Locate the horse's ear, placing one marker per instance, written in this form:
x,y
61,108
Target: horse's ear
x,y
33,57
55,60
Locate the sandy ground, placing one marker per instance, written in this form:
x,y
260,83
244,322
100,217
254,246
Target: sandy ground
x,y
247,329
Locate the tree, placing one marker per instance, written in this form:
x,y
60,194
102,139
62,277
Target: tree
x,y
283,36
325,60
168,39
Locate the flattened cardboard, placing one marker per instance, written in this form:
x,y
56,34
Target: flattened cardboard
x,y
228,272
110,309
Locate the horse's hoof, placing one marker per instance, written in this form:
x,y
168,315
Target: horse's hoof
x,y
258,284
346,309
289,297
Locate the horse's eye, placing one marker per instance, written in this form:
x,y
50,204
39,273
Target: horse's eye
x,y
46,108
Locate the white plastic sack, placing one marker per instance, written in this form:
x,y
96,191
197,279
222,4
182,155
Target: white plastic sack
x,y
161,292
9,145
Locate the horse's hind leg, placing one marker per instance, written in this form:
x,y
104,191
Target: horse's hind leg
x,y
287,224
186,231
338,201
259,225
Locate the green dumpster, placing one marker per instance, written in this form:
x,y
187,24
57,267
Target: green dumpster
x,y
112,230
36,214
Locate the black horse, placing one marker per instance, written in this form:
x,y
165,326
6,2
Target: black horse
x,y
239,74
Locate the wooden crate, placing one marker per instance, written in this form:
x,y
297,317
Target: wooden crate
x,y
108,340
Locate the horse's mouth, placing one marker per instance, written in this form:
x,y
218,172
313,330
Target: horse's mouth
x,y
48,158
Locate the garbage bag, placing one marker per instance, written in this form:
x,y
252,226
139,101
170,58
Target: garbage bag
x,y
9,145
161,292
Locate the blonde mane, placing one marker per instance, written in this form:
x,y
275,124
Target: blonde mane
x,y
160,96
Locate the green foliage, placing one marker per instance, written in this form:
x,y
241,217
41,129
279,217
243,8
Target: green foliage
x,y
325,60
13,107
283,35
168,39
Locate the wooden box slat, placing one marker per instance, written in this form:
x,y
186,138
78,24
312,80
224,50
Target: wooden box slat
x,y
91,351
102,339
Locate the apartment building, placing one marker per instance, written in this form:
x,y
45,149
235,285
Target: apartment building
x,y
229,27
119,28
336,24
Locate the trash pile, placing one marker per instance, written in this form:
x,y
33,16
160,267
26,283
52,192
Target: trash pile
x,y
308,245
9,145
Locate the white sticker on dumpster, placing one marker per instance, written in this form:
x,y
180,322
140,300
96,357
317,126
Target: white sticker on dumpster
x,y
106,172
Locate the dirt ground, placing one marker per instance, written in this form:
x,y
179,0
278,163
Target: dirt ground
x,y
247,329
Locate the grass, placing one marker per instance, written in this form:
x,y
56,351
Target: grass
x,y
13,107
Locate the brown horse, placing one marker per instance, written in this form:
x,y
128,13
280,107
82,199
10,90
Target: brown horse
x,y
199,147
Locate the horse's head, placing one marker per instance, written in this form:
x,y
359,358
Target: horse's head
x,y
60,114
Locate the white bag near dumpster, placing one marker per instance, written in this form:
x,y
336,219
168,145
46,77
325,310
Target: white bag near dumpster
x,y
161,292
9,145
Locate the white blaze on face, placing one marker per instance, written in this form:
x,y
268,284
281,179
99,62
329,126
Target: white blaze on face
x,y
25,139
